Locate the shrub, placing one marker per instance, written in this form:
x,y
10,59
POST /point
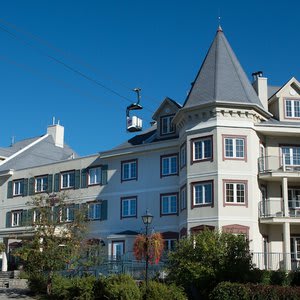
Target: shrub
x,y
279,278
117,287
61,287
37,283
259,276
158,291
230,291
294,278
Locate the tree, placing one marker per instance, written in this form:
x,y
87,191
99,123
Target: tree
x,y
59,230
203,260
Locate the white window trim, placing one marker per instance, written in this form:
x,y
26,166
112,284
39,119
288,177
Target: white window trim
x,y
235,193
292,101
291,154
94,206
202,144
19,189
170,129
169,196
169,158
129,200
18,215
295,253
94,176
43,185
234,146
205,202
168,243
132,166
68,180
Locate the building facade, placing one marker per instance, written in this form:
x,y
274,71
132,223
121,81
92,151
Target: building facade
x,y
227,159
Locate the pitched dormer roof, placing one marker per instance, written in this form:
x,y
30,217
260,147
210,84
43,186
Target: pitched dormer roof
x,y
221,78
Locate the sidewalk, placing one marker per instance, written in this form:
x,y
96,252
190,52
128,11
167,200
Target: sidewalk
x,y
6,294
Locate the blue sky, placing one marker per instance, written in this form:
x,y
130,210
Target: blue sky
x,y
155,45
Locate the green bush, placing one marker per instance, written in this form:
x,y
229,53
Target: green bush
x,y
230,291
37,283
161,291
61,287
294,278
279,278
259,276
117,287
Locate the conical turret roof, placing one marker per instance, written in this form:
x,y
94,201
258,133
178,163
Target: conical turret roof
x,y
221,77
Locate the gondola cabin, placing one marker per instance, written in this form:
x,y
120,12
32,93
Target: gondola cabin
x,y
134,123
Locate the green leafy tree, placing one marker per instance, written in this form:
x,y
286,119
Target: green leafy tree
x,y
203,260
57,242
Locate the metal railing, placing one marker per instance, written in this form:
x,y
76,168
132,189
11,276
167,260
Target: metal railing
x,y
275,208
283,163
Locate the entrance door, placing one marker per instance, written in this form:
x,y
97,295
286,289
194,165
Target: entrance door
x,y
117,249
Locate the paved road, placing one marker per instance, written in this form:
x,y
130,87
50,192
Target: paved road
x,y
6,294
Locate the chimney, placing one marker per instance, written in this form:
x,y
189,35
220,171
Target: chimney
x,y
260,84
57,132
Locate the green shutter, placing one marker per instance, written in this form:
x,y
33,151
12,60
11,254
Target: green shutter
x,y
77,179
104,210
84,210
8,219
29,220
25,187
50,183
71,212
23,221
56,214
104,174
10,189
31,186
56,182
83,178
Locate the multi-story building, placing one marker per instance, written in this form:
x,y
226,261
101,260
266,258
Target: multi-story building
x,y
227,159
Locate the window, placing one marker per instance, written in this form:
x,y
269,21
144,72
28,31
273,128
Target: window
x,y
118,248
41,184
18,187
292,108
183,198
235,192
202,193
16,218
94,211
295,248
169,165
291,155
234,147
168,204
202,149
169,244
166,126
294,198
67,180
129,170
94,176
128,207
183,155
67,213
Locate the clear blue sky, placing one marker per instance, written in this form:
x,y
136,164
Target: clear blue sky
x,y
155,45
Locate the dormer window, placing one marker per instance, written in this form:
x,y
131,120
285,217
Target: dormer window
x,y
292,108
166,126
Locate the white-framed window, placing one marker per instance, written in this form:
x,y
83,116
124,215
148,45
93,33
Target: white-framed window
x,y
202,149
295,248
94,176
291,155
129,207
183,198
67,180
294,198
18,187
292,108
166,126
169,244
234,147
67,213
41,184
118,249
202,193
129,170
169,165
16,217
183,155
235,192
94,211
168,204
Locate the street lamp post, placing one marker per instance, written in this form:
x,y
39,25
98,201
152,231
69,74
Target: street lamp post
x,y
147,220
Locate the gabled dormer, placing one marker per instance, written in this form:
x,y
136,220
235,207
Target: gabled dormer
x,y
285,103
164,118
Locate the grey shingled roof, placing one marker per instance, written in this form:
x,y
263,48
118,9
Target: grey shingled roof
x,y
272,90
8,151
43,152
221,77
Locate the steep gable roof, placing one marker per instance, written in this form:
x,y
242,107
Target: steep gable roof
x,y
167,101
221,77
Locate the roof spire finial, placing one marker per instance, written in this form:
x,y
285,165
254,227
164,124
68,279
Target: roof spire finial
x,y
219,21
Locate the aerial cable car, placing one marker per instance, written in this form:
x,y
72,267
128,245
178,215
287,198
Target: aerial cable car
x,y
134,123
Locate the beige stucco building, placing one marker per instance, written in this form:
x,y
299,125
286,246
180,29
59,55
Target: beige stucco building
x,y
227,159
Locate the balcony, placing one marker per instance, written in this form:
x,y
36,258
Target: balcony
x,y
272,211
276,167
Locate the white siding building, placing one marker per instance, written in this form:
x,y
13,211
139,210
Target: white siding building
x,y
227,159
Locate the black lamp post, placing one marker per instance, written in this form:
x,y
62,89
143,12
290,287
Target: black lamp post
x,y
147,220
